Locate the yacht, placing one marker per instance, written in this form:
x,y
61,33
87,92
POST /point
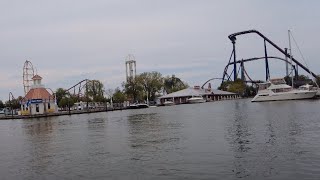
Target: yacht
x,y
278,90
310,87
138,106
196,99
168,103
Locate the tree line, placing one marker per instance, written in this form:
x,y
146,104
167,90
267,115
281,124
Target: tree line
x,y
143,87
14,103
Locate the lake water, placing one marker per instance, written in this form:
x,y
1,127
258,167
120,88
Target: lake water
x,y
217,140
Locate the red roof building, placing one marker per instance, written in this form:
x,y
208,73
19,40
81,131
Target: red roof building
x,y
38,100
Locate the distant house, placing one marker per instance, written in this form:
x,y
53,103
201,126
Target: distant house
x,y
38,100
180,97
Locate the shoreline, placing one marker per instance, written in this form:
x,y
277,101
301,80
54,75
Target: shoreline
x,y
60,113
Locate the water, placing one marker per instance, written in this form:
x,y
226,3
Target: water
x,y
219,140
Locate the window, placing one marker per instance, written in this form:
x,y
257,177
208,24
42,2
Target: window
x,y
37,107
49,106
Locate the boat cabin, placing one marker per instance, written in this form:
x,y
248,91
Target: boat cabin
x,y
275,85
278,81
263,86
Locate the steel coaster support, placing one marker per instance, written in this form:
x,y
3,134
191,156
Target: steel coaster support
x,y
232,37
238,72
224,73
242,71
266,61
297,72
226,69
295,68
286,58
234,59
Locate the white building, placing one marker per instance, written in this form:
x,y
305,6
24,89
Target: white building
x,y
38,100
180,97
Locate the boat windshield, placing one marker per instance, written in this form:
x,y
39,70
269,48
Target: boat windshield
x,y
306,87
280,90
277,81
263,86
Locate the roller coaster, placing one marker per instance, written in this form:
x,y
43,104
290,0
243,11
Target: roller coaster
x,y
233,37
80,89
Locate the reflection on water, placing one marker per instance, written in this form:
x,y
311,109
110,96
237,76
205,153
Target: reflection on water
x,y
96,123
219,140
266,143
240,140
150,136
39,134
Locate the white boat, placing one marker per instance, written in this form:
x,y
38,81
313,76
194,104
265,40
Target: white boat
x,y
168,103
278,90
311,88
196,99
138,106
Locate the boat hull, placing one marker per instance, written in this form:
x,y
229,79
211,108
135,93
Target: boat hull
x,y
194,101
138,106
168,103
295,95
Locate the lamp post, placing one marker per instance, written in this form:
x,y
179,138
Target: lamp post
x,y
10,103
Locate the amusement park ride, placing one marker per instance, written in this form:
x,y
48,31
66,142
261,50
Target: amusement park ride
x,y
78,90
28,73
288,59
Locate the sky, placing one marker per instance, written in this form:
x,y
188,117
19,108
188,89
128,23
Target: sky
x,y
71,40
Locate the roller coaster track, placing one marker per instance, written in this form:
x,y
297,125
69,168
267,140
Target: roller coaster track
x,y
77,89
79,85
258,58
233,38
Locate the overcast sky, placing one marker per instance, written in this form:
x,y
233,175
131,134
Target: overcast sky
x,y
68,41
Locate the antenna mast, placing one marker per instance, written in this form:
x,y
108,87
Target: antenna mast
x,y
290,51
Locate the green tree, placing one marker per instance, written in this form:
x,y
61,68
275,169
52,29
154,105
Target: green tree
x,y
133,89
13,103
95,91
237,86
298,80
1,105
118,96
152,82
60,93
224,85
66,101
250,91
173,84
318,80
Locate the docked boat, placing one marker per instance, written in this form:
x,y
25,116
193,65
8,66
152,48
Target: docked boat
x,y
278,90
168,103
196,99
310,87
138,106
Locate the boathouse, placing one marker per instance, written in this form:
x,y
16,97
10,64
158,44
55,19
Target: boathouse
x,y
38,100
180,97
